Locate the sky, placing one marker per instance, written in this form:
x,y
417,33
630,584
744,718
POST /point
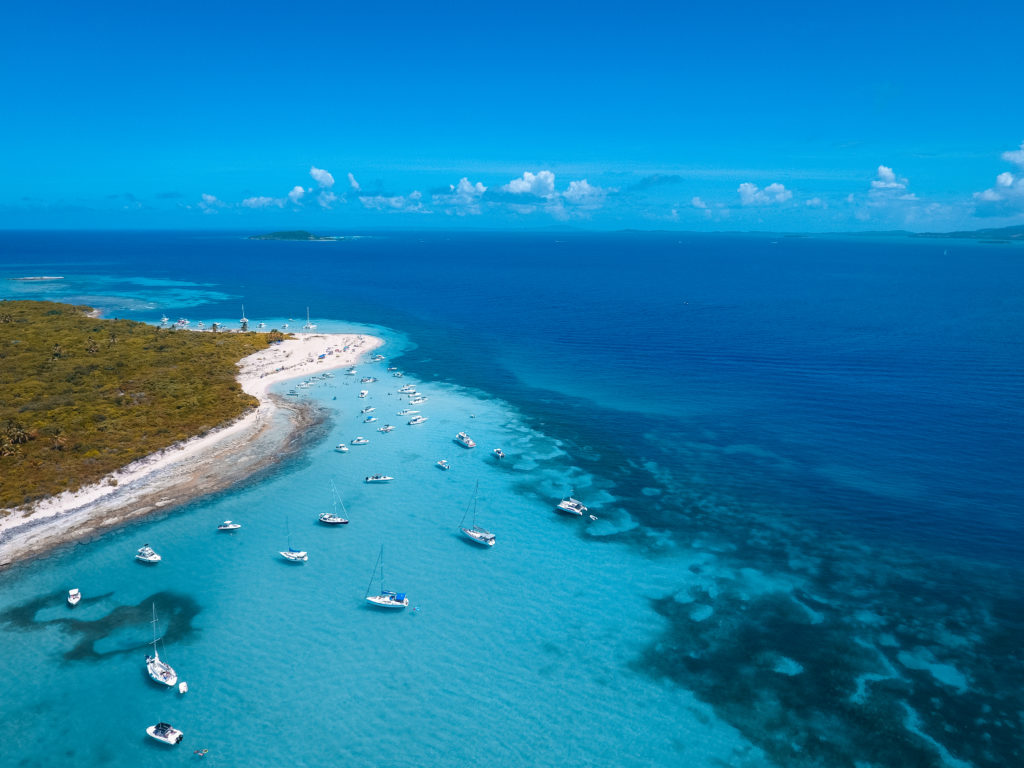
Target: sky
x,y
334,117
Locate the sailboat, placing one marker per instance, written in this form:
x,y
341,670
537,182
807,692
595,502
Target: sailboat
x,y
160,671
333,518
293,555
386,598
245,320
476,533
309,326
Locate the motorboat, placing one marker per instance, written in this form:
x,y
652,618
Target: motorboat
x,y
351,372
406,412
368,380
166,733
417,420
443,464
147,555
377,359
407,389
390,367
379,479
369,420
341,448
398,374
498,453
360,441
74,597
386,428
417,400
464,440
364,392
227,525
159,671
368,409
571,506
385,597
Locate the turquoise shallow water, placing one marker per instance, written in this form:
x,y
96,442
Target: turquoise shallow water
x,y
803,454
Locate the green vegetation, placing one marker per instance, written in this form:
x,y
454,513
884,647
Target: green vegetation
x,y
1000,234
81,396
298,234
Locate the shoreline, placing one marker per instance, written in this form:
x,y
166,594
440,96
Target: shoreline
x,y
186,471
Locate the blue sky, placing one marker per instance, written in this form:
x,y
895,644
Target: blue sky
x,y
330,117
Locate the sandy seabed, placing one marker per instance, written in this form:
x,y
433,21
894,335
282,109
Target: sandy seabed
x,y
192,468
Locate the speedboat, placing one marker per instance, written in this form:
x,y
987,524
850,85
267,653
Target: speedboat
x,y
407,389
392,368
227,525
368,409
294,555
417,400
364,392
329,518
406,412
397,374
417,420
464,440
571,506
74,597
360,441
369,419
166,733
341,448
351,372
379,479
368,380
443,464
386,428
147,555
498,453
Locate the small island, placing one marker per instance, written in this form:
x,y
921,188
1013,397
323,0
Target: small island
x,y
297,234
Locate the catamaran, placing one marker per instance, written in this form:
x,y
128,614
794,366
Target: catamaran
x,y
571,506
386,598
476,533
160,671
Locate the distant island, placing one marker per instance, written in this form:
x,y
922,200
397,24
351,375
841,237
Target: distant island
x,y
1001,234
298,234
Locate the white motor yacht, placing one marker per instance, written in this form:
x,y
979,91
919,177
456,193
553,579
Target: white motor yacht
x,y
417,420
417,400
341,448
147,555
464,440
166,733
360,441
443,464
74,597
379,479
386,428
364,392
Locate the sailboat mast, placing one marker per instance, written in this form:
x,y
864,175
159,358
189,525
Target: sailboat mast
x,y
379,562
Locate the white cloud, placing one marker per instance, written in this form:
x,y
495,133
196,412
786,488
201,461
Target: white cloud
x,y
815,202
326,198
411,203
1006,196
209,203
463,198
887,179
583,193
262,202
696,202
324,179
1015,156
541,184
773,193
296,194
352,182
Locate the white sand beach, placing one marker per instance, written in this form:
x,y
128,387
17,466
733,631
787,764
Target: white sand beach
x,y
194,467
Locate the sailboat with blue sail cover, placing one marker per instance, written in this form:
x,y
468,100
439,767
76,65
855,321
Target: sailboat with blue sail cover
x,y
385,598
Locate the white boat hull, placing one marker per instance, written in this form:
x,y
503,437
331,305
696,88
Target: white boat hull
x,y
295,557
165,733
161,672
384,601
485,540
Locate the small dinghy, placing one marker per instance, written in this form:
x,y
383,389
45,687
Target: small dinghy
x,y
74,597
166,733
182,687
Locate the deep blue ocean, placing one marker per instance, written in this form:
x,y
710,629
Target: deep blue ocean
x,y
804,455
